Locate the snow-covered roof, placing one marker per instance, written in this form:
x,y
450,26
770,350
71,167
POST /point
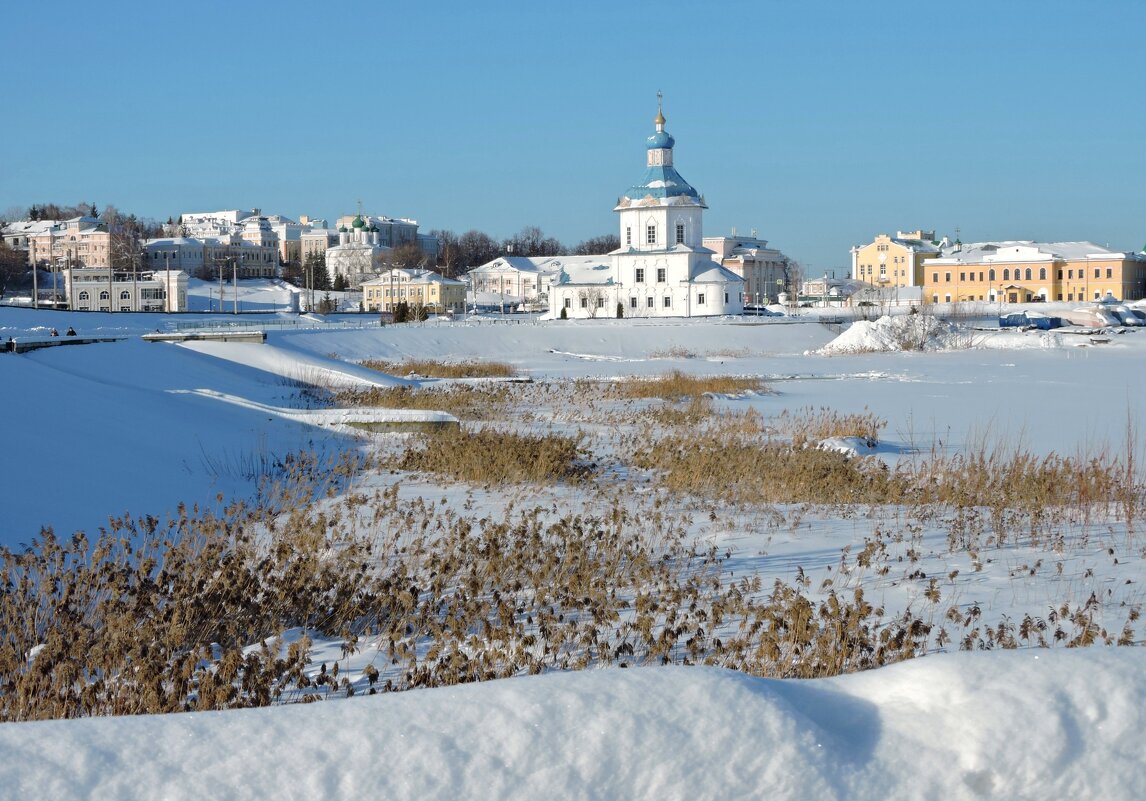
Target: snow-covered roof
x,y
713,273
522,264
414,276
176,241
923,246
1029,250
28,227
583,270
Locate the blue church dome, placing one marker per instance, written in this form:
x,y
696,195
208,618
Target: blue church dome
x,y
660,139
661,180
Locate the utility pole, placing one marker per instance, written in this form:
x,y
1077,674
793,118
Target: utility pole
x,y
235,283
35,281
219,262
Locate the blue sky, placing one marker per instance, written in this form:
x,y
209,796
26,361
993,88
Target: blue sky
x,y
818,123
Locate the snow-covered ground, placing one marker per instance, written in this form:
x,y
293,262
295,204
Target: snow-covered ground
x,y
1021,725
97,430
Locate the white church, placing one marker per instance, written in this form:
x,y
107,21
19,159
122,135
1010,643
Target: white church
x,y
662,268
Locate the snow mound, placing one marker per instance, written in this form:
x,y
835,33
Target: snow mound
x,y
1015,725
925,332
902,332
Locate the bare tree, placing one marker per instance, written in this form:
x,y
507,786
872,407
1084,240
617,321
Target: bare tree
x,y
532,241
598,245
13,265
592,299
449,252
477,248
407,256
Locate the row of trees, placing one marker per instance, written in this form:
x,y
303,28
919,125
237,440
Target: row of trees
x,y
460,252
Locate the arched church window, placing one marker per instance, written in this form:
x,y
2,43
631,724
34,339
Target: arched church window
x,y
680,233
651,234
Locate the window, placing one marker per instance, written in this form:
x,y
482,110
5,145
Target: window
x,y
1109,272
962,276
1006,275
84,295
628,235
568,303
640,277
992,274
680,233
668,302
632,303
125,295
1060,278
935,278
1042,273
947,277
700,299
1027,273
584,303
649,302
726,298
105,295
651,234
1070,274
660,275
601,302
1096,272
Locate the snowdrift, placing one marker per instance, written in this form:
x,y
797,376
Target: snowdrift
x,y
922,332
1015,725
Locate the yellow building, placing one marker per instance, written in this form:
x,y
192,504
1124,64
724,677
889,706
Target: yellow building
x,y
894,261
1025,271
415,288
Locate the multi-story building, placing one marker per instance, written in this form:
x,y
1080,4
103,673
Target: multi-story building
x,y
765,270
210,257
55,244
107,290
895,261
415,288
517,279
662,268
1021,271
316,241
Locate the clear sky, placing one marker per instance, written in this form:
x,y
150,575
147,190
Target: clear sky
x,y
818,123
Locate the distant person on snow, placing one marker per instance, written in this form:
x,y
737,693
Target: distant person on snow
x,y
71,332
55,333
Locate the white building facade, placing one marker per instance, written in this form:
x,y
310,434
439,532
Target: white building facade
x,y
662,268
107,290
359,255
